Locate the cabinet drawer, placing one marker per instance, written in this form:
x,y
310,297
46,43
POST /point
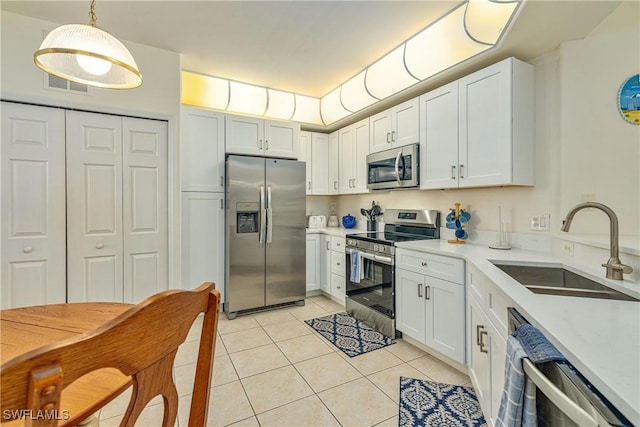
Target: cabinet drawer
x,y
337,263
442,267
338,285
337,244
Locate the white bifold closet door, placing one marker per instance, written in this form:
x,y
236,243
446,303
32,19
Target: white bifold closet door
x,y
32,221
117,247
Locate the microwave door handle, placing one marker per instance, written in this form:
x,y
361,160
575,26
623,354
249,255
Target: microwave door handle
x,y
269,217
397,167
553,393
263,217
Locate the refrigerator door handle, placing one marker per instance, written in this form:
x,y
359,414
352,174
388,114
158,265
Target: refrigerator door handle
x,y
269,217
263,217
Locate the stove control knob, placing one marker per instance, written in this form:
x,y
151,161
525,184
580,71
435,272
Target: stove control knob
x,y
376,247
381,248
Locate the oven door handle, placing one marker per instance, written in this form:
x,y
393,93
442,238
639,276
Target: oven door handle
x,y
379,258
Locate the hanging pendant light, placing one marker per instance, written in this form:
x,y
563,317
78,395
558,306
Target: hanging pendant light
x,y
86,54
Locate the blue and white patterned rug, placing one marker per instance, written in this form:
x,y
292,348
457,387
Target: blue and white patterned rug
x,y
426,403
349,334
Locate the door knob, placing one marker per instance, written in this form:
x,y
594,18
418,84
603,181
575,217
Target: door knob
x,y
27,249
99,245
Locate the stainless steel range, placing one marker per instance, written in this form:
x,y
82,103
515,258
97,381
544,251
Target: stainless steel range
x,y
371,276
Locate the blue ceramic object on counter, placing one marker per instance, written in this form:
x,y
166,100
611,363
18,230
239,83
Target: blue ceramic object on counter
x,y
349,221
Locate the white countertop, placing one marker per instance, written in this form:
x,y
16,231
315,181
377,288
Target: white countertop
x,y
334,231
600,337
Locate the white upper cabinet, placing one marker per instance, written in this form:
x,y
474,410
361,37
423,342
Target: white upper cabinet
x,y
395,127
258,137
202,150
314,150
495,129
334,163
354,147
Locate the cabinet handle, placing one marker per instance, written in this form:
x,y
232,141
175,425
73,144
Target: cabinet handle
x,y
337,263
327,245
461,171
423,263
260,144
335,185
221,204
99,245
222,181
27,249
478,327
419,290
393,135
453,172
427,292
483,349
309,185
337,244
266,144
388,138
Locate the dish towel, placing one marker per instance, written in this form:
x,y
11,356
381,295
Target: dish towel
x,y
355,266
518,401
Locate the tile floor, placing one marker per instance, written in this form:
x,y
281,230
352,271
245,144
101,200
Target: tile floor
x,y
271,369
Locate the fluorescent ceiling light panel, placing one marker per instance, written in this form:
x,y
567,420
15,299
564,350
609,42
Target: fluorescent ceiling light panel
x,y
307,110
204,91
440,46
248,99
485,19
389,75
281,104
332,108
354,95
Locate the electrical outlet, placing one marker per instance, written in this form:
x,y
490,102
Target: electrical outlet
x,y
540,222
567,248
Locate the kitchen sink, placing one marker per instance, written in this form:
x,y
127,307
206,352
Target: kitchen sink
x,y
560,281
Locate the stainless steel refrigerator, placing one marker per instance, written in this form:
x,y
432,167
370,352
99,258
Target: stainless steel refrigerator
x,y
266,237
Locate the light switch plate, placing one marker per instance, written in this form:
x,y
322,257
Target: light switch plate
x,y
540,222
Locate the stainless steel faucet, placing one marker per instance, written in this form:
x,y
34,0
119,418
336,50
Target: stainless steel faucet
x,y
615,269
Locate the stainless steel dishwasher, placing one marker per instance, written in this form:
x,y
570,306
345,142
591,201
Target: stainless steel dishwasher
x,y
564,397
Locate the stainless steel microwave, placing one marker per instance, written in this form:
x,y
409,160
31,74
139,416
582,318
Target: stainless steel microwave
x,y
395,168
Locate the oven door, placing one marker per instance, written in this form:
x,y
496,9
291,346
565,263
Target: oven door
x,y
375,287
395,168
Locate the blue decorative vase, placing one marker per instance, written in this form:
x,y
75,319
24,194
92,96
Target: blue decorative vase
x,y
349,221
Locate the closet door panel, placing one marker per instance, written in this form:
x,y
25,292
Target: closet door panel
x,y
32,222
94,207
144,208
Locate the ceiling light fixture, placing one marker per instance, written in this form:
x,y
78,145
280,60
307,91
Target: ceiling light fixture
x,y
86,54
467,30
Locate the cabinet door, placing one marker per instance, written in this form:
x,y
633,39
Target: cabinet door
x,y
445,317
346,160
144,208
305,156
380,131
485,127
439,144
203,246
202,150
334,163
410,304
33,206
94,207
320,163
281,139
313,262
478,355
325,263
337,286
498,351
244,135
361,150
405,123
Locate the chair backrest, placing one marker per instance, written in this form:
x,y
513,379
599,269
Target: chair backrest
x,y
141,342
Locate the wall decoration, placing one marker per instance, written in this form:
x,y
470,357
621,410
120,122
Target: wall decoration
x,y
629,100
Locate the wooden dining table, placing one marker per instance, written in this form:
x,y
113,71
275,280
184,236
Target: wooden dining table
x,y
27,328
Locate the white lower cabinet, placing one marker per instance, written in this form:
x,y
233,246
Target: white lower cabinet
x,y
431,311
487,343
203,240
313,262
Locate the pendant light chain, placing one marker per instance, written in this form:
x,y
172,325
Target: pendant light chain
x,y
92,14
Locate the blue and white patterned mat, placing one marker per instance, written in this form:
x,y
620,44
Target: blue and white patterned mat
x,y
349,334
426,403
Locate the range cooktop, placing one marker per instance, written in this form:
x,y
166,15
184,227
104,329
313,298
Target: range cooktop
x,y
388,237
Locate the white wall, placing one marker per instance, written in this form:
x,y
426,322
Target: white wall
x,y
583,146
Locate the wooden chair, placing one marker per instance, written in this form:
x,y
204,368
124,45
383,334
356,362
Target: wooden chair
x,y
141,342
